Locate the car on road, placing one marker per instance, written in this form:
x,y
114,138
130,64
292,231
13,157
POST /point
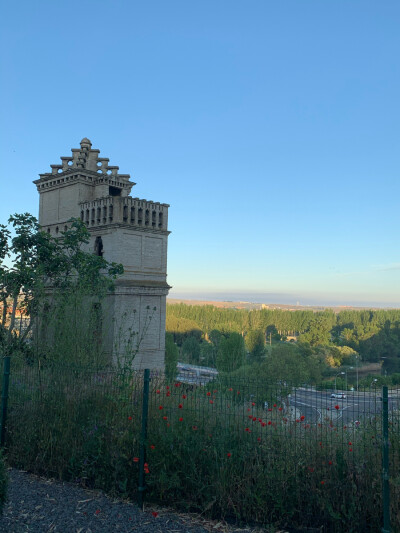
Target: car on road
x,y
338,395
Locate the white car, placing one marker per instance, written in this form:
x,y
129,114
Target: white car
x,y
339,395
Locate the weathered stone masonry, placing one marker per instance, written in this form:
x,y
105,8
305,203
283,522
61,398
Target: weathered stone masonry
x,y
123,229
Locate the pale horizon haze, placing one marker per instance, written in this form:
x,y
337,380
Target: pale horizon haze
x,y
270,127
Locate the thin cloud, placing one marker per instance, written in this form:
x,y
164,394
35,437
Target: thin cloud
x,y
384,268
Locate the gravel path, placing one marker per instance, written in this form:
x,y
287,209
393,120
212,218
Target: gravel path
x,y
39,505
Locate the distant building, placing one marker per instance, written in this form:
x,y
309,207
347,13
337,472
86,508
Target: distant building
x,y
123,229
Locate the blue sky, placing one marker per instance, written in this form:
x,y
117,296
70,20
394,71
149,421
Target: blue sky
x,y
271,127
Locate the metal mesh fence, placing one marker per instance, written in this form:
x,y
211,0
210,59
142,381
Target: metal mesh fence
x,y
238,448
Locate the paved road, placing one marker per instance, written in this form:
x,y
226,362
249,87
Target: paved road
x,y
316,406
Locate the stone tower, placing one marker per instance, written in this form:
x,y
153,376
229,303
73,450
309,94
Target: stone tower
x,y
123,229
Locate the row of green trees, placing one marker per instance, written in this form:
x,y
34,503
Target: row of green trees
x,y
344,338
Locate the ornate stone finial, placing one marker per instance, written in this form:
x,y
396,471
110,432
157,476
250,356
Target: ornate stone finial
x,y
85,143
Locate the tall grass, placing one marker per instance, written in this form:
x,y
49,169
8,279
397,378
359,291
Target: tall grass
x,y
211,449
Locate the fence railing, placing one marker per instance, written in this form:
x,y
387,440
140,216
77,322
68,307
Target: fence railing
x,y
240,448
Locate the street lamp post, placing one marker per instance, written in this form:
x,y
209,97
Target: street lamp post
x,y
339,374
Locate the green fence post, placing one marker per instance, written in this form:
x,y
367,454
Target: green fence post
x,y
385,461
4,400
143,438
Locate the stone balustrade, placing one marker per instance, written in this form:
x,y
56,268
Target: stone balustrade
x,y
125,210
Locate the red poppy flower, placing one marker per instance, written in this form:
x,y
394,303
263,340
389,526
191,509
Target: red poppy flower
x,y
214,391
229,454
208,393
158,391
181,419
247,429
165,418
322,482
248,409
136,459
155,514
167,387
238,392
211,401
269,409
330,463
263,424
279,408
180,406
161,407
302,417
259,438
230,390
269,422
129,418
254,418
152,447
168,394
311,469
274,404
337,407
350,449
184,396
177,384
97,511
253,404
195,428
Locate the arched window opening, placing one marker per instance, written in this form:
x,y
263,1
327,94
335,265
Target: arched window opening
x,y
160,220
153,219
147,216
140,215
125,213
98,246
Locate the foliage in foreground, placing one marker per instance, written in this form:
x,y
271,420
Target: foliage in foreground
x,y
3,482
212,449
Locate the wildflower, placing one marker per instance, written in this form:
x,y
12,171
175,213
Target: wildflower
x,y
168,425
214,391
350,443
230,390
320,443
259,439
184,396
302,417
248,430
177,384
238,392
165,418
180,406
167,387
208,393
253,404
337,407
229,454
129,418
97,511
195,428
280,408
152,447
344,427
181,419
155,514
158,391
322,482
274,405
311,469
330,463
350,449
161,407
270,409
269,422
211,401
168,394
263,424
254,418
136,459
250,416
248,409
